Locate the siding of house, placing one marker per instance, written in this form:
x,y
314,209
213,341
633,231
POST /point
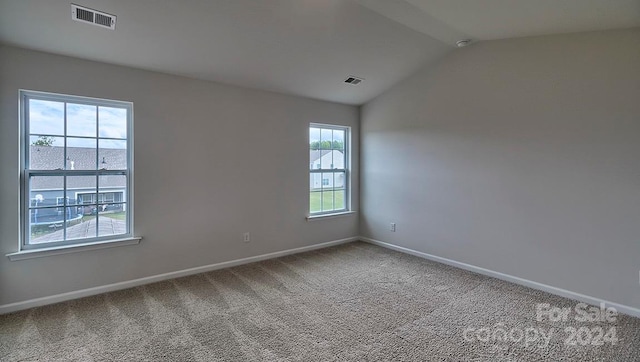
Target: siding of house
x,y
329,159
46,191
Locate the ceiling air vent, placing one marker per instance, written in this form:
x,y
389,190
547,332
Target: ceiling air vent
x,y
93,17
353,80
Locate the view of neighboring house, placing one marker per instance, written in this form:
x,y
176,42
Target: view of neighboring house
x,y
326,159
85,194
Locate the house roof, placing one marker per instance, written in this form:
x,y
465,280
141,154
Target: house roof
x,y
52,157
314,155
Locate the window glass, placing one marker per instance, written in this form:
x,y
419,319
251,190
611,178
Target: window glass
x,y
76,169
328,169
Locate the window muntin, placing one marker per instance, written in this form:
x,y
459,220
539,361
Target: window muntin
x,y
74,147
328,169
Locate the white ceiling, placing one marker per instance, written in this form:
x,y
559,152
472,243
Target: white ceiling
x,y
500,19
301,47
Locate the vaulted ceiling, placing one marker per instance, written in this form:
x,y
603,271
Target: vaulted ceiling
x,y
300,47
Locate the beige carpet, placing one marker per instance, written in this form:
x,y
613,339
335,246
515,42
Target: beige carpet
x,y
354,302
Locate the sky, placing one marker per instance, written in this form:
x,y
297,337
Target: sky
x,y
47,117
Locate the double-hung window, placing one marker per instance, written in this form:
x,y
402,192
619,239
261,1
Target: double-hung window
x,y
328,169
76,174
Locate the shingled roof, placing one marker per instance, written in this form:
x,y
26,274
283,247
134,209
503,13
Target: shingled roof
x,y
316,154
52,157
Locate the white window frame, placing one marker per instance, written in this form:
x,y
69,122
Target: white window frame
x,y
26,173
346,170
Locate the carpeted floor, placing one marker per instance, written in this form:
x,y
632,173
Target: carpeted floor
x,y
354,302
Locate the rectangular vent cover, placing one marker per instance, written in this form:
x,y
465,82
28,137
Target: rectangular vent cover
x,y
353,80
93,17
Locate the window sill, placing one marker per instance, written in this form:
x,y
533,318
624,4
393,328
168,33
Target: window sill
x,y
328,216
39,253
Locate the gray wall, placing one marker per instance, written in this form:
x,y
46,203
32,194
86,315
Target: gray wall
x,y
211,162
520,156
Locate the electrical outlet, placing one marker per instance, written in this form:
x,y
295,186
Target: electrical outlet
x,y
246,237
393,227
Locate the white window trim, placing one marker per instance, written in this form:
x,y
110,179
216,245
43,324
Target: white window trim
x,y
26,251
347,173
314,217
72,248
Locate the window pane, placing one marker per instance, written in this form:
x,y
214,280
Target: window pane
x,y
338,139
112,187
45,220
315,201
45,225
325,138
327,201
315,180
46,117
81,190
339,197
338,159
329,159
327,180
326,160
112,155
81,153
112,219
314,138
112,122
46,153
314,159
44,191
339,180
81,120
81,222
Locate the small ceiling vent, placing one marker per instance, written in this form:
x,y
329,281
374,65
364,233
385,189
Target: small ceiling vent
x,y
93,17
353,80
463,43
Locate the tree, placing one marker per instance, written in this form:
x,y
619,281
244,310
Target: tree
x,y
43,141
326,145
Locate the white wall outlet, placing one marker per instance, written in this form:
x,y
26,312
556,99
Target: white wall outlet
x,y
393,227
246,237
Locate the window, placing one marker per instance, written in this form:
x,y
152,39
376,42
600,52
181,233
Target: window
x,y
76,170
329,171
103,197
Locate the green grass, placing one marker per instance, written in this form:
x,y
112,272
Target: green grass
x,y
324,201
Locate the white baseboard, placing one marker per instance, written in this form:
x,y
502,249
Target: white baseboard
x,y
37,302
509,278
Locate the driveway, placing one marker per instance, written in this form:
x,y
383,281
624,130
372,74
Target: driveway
x,y
107,226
